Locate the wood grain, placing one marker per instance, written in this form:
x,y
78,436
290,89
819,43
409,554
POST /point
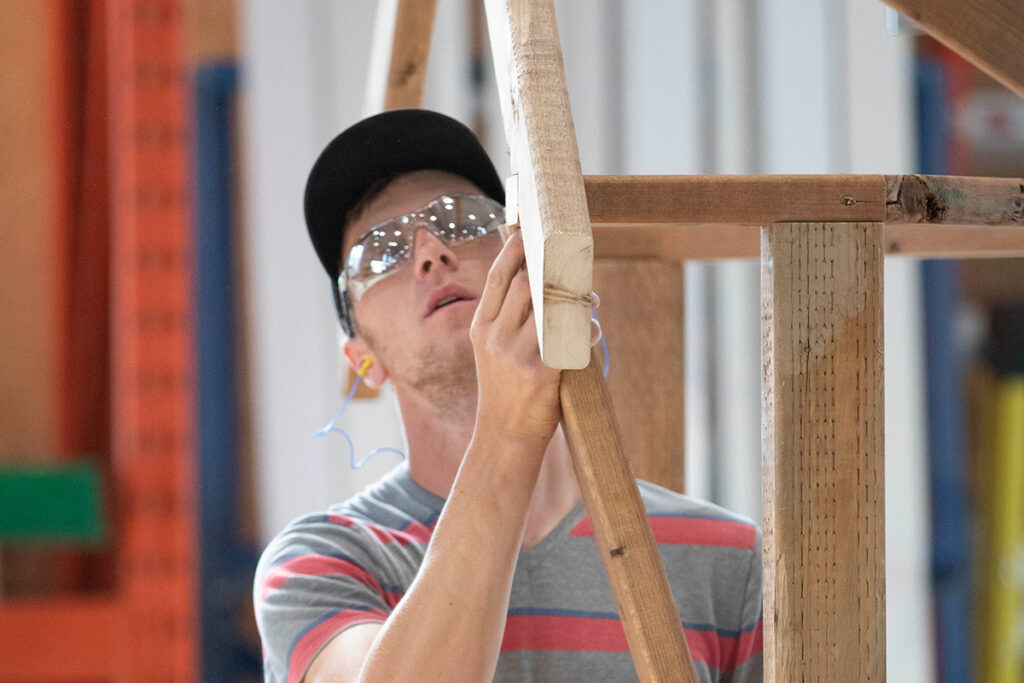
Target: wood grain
x,y
623,533
954,200
397,76
711,241
751,199
987,33
398,62
552,204
824,537
641,315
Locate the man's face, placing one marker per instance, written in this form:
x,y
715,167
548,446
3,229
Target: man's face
x,y
420,343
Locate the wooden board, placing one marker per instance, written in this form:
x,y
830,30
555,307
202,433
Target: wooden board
x,y
765,199
987,33
641,315
709,242
552,204
823,452
621,528
954,200
717,217
397,76
750,199
398,63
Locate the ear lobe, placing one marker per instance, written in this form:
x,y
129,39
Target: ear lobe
x,y
356,354
376,375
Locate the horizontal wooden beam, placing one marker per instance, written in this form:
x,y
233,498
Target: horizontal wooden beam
x,y
987,33
954,200
718,217
711,242
766,199
750,199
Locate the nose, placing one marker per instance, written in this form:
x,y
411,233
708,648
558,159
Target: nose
x,y
430,253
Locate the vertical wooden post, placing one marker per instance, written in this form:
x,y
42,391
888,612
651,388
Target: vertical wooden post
x,y
646,378
824,538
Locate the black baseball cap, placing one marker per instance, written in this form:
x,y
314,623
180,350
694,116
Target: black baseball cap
x,y
380,147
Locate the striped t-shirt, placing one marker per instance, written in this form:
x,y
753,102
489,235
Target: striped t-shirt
x,y
352,564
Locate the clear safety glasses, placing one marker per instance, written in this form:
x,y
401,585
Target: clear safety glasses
x,y
386,247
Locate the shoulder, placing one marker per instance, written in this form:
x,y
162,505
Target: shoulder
x,y
679,518
359,529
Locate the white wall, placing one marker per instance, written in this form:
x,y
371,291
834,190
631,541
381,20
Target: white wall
x,y
681,86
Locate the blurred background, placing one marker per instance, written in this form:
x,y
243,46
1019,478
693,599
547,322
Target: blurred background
x,y
168,346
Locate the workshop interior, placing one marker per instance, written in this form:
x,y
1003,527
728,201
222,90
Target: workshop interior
x,y
169,348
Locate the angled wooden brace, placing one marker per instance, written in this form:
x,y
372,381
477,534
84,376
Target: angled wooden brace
x,y
396,78
398,62
987,33
548,202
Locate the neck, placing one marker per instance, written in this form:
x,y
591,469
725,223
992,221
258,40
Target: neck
x,y
438,442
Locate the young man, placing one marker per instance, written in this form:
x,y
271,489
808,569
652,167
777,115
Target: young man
x,y
475,559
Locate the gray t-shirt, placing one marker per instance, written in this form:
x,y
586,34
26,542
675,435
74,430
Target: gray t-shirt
x,y
351,564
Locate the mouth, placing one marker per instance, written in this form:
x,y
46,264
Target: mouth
x,y
444,297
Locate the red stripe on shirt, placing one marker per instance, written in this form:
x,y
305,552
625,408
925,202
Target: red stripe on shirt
x,y
690,531
590,634
414,533
740,650
320,565
317,637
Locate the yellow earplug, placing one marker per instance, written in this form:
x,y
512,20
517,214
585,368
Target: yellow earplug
x,y
365,367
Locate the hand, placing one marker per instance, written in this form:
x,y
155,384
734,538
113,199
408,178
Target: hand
x,y
518,394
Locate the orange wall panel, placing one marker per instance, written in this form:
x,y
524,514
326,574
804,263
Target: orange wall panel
x,y
29,305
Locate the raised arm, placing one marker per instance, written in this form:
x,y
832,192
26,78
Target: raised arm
x,y
450,623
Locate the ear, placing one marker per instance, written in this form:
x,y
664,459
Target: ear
x,y
356,350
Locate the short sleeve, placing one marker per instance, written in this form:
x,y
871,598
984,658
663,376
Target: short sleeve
x,y
314,580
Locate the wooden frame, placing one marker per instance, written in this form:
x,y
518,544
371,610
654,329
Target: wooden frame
x,y
821,241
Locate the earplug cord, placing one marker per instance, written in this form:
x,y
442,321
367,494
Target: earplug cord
x,y
604,344
332,425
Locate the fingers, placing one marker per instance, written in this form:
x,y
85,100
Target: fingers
x,y
505,267
517,305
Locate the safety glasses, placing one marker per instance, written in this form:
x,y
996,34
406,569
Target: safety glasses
x,y
386,247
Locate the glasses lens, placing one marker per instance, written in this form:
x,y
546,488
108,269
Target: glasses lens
x,y
465,217
388,246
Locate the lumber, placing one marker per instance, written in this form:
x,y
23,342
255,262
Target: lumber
x,y
823,418
397,75
552,204
621,528
646,376
766,199
398,60
718,217
750,199
954,200
707,242
987,33
545,199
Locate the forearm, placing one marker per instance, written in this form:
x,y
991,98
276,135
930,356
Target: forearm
x,y
450,623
